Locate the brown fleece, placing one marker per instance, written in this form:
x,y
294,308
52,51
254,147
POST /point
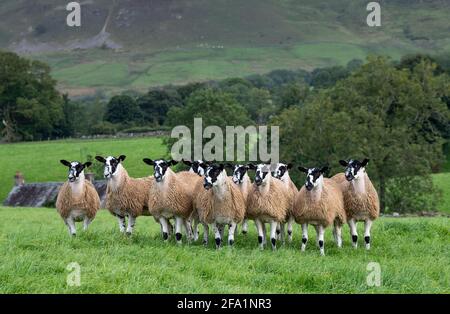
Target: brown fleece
x,y
88,201
359,206
267,203
173,195
323,210
131,197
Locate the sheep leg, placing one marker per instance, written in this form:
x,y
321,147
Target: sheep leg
x,y
222,230
282,225
195,229
165,228
205,234
289,228
337,232
353,232
131,223
304,236
264,233
245,226
217,235
178,226
320,236
317,233
188,227
367,227
260,229
169,227
86,222
231,231
278,230
71,226
273,233
121,220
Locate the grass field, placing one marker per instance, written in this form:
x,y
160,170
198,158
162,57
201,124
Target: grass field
x,y
36,249
39,161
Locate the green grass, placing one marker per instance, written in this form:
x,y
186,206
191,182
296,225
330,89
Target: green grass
x,y
39,161
35,249
442,180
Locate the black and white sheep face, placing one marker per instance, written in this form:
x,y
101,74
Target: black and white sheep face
x,y
239,172
160,167
354,168
198,166
76,169
111,165
314,176
213,176
281,169
261,173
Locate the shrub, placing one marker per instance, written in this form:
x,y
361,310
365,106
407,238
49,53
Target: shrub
x,y
412,194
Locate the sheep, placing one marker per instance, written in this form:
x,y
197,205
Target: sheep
x,y
281,172
221,203
268,202
171,196
360,198
77,198
125,196
198,167
319,202
241,178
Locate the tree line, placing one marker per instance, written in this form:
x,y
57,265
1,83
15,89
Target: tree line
x,y
397,113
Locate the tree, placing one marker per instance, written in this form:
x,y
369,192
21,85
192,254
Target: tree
x,y
29,102
123,109
379,112
156,103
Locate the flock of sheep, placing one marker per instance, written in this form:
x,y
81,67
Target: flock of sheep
x,y
206,195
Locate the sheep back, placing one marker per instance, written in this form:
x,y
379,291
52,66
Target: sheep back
x,y
324,211
359,206
273,204
88,201
231,206
131,196
174,196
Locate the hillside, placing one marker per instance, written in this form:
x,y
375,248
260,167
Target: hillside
x,y
134,44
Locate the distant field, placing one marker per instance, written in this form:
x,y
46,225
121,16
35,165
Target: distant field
x,y
442,180
39,161
35,250
116,72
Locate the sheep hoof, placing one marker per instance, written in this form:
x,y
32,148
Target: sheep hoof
x,y
274,243
230,242
205,243
178,236
322,252
303,247
73,234
165,236
218,241
244,231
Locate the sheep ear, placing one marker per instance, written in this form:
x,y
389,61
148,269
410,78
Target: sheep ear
x,y
187,162
251,166
173,162
87,164
289,166
365,162
101,159
343,163
303,169
221,166
121,158
148,161
66,163
324,170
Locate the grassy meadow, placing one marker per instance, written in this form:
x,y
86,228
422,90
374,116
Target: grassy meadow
x,y
35,249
